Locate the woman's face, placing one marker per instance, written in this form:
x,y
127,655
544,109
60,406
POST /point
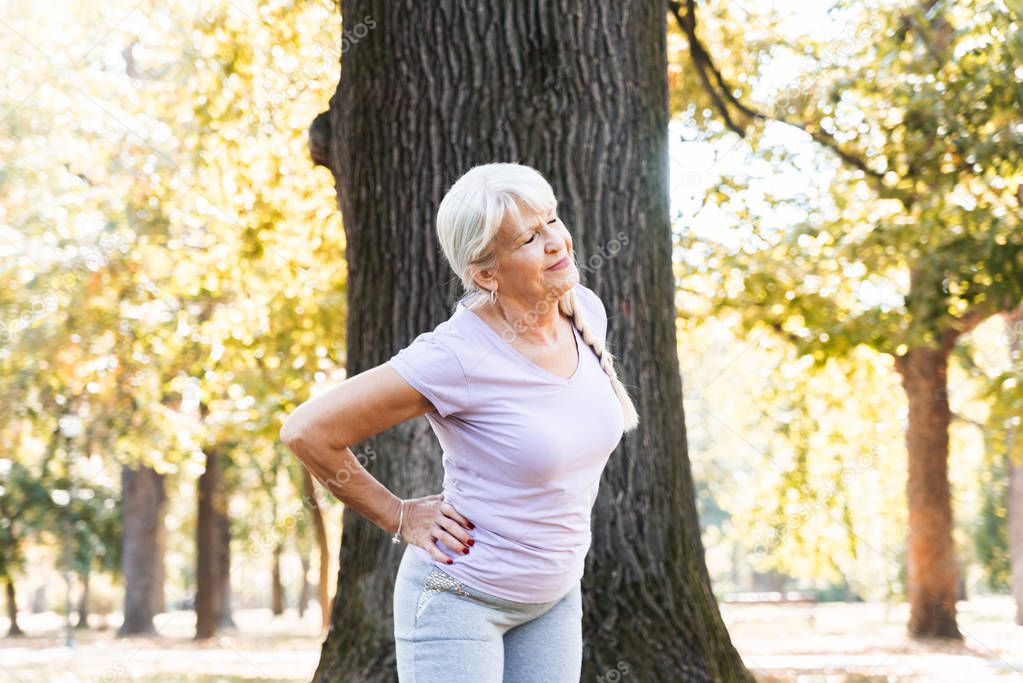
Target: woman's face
x,y
525,253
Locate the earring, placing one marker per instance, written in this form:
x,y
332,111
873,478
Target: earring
x,y
493,296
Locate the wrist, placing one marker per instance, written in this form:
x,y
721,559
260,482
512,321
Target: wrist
x,y
394,518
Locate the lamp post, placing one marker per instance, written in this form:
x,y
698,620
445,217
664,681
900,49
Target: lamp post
x,y
70,428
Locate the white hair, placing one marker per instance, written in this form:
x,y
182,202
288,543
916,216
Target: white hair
x,y
468,221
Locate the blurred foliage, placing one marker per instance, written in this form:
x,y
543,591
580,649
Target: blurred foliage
x,y
861,196
991,535
924,109
173,269
24,501
999,389
173,264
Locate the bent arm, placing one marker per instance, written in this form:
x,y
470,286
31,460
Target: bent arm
x,y
320,432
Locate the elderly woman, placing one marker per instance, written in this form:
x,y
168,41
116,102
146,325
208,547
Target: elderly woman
x,y
523,396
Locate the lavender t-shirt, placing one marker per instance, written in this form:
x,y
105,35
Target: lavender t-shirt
x,y
523,450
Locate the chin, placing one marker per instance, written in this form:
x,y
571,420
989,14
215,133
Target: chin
x,y
566,280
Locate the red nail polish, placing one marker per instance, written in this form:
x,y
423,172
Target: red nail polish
x,y
471,525
465,551
472,542
450,561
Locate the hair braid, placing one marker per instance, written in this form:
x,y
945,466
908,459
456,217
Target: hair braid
x,y
568,306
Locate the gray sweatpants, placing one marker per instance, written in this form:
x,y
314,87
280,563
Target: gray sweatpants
x,y
447,631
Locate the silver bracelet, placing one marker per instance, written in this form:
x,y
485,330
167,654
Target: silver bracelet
x,y
401,517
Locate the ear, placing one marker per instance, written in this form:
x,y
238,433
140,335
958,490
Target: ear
x,y
484,278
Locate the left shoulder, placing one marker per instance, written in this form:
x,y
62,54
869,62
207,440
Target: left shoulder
x,y
589,298
592,306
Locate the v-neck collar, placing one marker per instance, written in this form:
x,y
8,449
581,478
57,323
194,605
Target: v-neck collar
x,y
515,353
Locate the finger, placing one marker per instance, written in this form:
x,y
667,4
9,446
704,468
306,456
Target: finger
x,y
454,514
436,553
450,541
452,527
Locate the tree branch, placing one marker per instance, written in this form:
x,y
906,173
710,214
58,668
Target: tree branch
x,y
974,316
704,63
962,418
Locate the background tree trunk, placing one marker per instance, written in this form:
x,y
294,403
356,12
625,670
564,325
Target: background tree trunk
x,y
323,583
303,591
277,589
143,502
932,574
12,610
213,561
207,598
159,567
83,602
579,91
223,529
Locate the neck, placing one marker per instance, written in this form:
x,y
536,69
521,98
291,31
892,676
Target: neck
x,y
525,320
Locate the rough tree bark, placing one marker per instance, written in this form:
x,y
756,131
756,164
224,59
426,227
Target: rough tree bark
x,y
143,506
579,91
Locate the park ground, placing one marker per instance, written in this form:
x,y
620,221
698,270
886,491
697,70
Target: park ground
x,y
830,642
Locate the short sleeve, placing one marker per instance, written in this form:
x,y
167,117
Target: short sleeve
x,y
594,308
433,369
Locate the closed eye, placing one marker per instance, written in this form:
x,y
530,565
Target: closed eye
x,y
553,220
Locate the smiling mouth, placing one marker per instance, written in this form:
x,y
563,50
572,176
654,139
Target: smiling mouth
x,y
560,264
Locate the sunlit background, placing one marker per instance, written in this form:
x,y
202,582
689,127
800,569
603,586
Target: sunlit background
x,y
174,278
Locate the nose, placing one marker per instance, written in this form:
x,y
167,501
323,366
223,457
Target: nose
x,y
557,242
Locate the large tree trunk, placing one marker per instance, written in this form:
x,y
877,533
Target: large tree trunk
x,y
213,563
143,505
579,91
931,562
12,611
323,584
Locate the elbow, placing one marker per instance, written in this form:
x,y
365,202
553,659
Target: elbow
x,y
296,438
292,431
300,435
